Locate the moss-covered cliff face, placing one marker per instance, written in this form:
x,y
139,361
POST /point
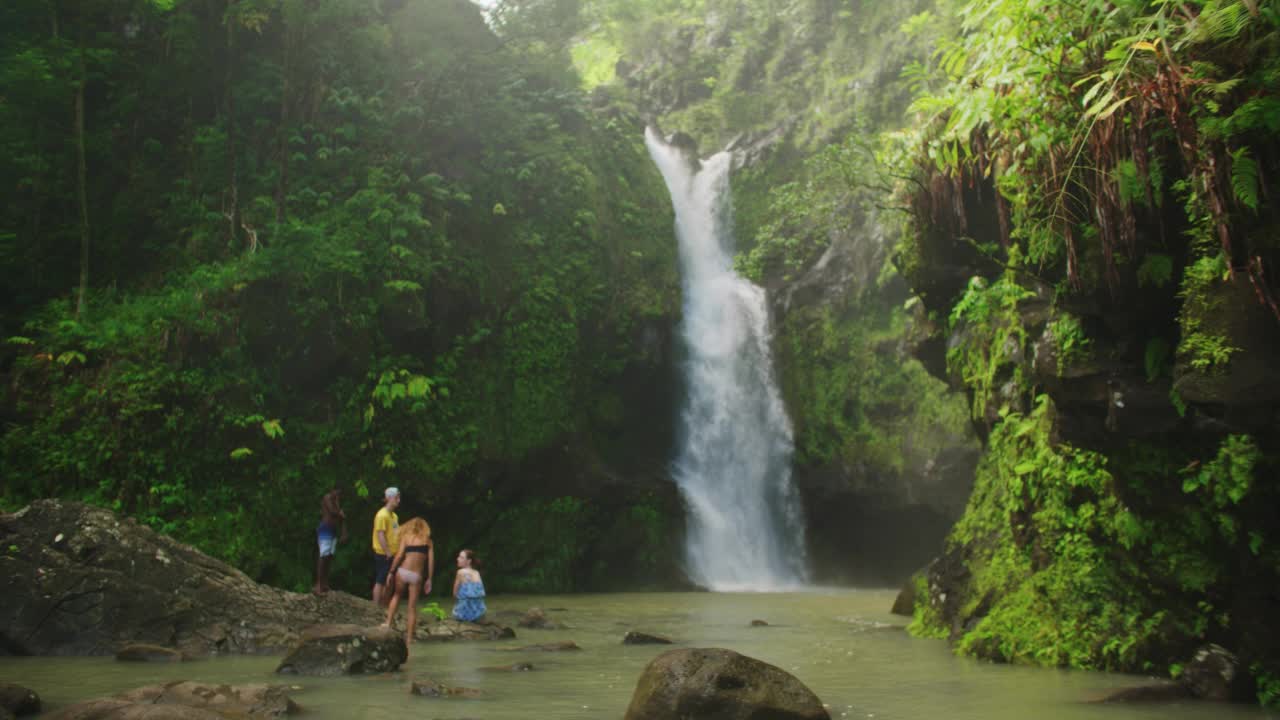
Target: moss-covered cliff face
x,y
334,243
1092,234
798,89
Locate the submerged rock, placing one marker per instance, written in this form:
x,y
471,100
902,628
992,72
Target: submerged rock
x,y
713,683
450,629
328,650
639,638
538,619
513,667
87,582
148,653
426,687
550,647
184,700
1154,693
114,709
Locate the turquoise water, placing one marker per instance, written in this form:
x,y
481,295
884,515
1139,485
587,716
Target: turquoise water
x,y
842,643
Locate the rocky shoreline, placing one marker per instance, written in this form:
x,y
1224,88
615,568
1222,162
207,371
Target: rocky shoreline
x,y
78,580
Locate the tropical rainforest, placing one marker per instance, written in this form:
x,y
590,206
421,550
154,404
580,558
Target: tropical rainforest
x,y
1021,256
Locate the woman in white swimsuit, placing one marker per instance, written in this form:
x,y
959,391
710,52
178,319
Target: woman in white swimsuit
x,y
417,556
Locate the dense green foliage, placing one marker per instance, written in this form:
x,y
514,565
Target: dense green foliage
x,y
335,242
1097,168
794,76
251,249
1090,561
717,69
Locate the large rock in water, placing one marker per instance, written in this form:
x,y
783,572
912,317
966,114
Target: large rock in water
x,y
329,650
185,701
717,684
17,700
79,580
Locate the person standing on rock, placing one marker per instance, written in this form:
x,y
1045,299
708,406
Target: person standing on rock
x,y
468,588
412,568
332,518
386,542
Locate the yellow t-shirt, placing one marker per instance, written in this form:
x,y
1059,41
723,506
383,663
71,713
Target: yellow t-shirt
x,y
388,522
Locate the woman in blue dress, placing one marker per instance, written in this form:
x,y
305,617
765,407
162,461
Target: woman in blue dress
x,y
468,588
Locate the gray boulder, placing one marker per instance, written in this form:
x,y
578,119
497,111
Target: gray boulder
x,y
330,650
718,684
85,581
1214,674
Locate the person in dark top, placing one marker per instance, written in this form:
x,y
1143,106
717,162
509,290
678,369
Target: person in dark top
x,y
332,522
412,567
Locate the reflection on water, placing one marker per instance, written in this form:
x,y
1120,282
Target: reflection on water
x,y
841,643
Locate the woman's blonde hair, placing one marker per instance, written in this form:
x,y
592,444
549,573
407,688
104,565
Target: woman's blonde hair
x,y
415,527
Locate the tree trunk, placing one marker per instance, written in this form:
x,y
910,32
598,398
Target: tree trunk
x,y
282,184
81,173
232,212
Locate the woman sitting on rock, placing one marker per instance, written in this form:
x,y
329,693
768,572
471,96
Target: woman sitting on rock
x,y
417,557
468,588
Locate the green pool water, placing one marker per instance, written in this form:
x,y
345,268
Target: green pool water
x,y
842,643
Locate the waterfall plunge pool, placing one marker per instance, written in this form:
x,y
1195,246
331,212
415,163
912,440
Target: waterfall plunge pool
x,y
842,643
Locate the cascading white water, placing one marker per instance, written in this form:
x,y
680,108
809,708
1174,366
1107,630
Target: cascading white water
x,y
733,465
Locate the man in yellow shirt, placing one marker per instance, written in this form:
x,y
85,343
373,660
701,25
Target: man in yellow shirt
x,y
386,542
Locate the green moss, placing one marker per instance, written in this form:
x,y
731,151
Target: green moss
x,y
990,337
1072,344
1039,528
853,399
1071,566
926,620
1204,350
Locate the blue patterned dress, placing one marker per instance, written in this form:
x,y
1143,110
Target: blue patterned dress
x,y
470,605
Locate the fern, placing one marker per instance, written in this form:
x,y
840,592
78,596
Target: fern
x,y
1259,113
1218,22
1244,178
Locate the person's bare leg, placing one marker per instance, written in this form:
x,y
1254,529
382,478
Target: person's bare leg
x,y
322,574
377,594
412,609
391,608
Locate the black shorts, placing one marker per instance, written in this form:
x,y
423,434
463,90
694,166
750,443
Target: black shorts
x,y
381,567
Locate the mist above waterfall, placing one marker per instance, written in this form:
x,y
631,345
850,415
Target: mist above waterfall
x,y
733,461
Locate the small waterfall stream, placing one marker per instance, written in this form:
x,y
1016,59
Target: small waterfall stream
x,y
733,462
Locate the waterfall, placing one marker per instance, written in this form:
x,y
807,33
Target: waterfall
x,y
733,463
